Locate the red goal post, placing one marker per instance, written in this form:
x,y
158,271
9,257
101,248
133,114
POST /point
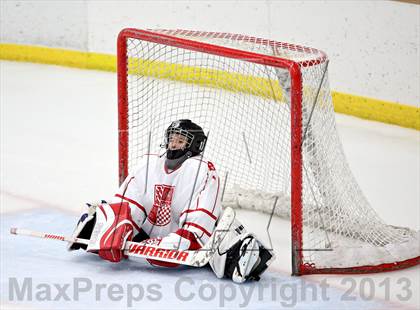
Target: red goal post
x,y
150,60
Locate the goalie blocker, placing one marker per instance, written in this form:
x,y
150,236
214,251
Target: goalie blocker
x,y
240,256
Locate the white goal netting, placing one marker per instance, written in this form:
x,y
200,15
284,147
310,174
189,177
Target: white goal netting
x,y
245,107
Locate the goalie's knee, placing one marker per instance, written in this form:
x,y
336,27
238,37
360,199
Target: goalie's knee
x,y
241,256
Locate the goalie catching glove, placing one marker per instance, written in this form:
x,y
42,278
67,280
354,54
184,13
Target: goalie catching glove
x,y
108,227
241,256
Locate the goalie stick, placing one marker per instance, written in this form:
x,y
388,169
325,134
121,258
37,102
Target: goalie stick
x,y
196,258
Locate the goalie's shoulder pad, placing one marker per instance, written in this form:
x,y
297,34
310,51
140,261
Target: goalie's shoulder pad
x,y
241,256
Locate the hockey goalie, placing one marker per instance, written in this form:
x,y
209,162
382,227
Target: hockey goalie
x,y
172,200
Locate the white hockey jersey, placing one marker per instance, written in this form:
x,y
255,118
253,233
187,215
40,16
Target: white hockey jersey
x,y
163,202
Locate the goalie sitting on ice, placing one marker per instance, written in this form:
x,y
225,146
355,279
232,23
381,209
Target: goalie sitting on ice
x,y
173,201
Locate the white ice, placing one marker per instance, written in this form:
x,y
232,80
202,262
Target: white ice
x,y
59,150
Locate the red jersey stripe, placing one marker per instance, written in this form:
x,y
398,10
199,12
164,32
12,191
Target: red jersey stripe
x,y
199,227
202,210
186,234
133,202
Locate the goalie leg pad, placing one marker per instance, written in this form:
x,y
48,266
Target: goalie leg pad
x,y
241,256
84,227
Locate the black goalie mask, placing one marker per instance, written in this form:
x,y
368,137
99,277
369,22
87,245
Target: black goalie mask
x,y
184,139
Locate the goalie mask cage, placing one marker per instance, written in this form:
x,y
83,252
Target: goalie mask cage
x,y
266,107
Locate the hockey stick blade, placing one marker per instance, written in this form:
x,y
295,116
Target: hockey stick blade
x,y
197,258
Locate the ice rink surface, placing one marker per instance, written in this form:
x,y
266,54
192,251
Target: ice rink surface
x,y
59,150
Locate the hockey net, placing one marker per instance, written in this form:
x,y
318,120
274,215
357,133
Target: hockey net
x,y
266,107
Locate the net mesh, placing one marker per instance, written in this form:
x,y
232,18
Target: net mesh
x,y
244,108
